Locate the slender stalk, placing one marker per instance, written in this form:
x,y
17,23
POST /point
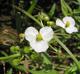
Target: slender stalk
x,y
29,15
3,53
68,51
11,56
52,48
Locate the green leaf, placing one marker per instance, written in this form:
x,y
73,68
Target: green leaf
x,y
35,57
9,71
68,7
76,11
20,67
31,8
72,69
52,10
77,18
16,62
44,72
27,49
14,49
63,7
66,10
78,1
46,58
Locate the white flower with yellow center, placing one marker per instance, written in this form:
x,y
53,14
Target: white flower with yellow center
x,y
68,24
39,40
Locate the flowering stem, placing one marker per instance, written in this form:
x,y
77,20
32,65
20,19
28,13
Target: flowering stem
x,y
65,48
68,51
11,56
29,15
52,48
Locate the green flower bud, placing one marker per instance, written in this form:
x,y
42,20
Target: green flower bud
x,y
46,18
50,23
43,16
21,35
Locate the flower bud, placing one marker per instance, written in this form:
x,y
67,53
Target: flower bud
x,y
43,16
50,23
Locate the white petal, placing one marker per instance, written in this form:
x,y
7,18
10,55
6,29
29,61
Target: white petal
x,y
41,46
69,19
60,23
30,34
47,33
71,30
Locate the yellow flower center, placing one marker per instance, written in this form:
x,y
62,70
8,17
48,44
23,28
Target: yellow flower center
x,y
39,37
67,24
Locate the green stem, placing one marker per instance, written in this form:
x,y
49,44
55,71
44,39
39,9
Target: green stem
x,y
11,56
68,51
3,53
52,48
29,15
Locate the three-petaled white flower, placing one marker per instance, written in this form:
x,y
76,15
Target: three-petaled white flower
x,y
39,40
68,24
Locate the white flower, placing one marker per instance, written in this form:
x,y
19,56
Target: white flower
x,y
68,24
40,46
39,40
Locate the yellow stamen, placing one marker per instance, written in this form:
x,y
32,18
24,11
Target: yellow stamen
x,y
67,24
39,37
